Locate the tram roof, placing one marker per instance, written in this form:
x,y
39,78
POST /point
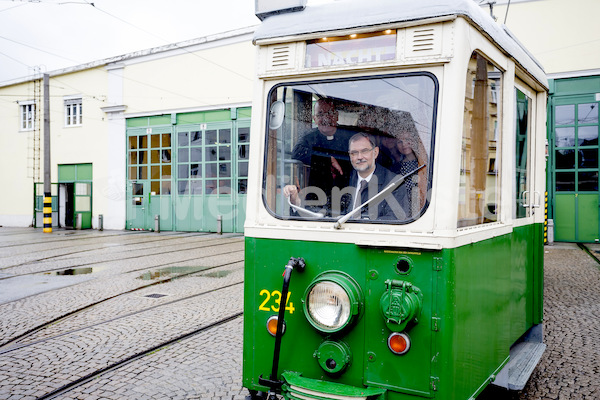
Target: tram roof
x,y
344,14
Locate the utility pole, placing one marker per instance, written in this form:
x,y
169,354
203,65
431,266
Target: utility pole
x,y
47,181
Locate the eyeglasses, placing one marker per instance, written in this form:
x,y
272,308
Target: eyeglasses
x,y
362,152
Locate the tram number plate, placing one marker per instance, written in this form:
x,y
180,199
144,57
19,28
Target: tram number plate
x,y
272,301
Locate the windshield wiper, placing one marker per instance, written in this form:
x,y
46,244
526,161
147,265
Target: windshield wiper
x,y
303,211
395,183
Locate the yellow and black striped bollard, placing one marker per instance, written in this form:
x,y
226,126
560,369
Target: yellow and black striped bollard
x,y
47,213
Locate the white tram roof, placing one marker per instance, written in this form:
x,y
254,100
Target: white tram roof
x,y
344,14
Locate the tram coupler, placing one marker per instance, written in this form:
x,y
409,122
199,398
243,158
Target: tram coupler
x,y
273,383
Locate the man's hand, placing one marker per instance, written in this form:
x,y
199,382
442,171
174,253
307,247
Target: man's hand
x,y
291,191
336,167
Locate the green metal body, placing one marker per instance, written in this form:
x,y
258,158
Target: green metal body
x,y
477,300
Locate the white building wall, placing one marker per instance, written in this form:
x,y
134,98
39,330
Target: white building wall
x,y
207,76
562,35
16,173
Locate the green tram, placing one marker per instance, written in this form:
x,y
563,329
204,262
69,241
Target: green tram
x,y
426,281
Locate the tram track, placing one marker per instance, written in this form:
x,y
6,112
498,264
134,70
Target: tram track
x,y
63,317
58,364
58,342
67,236
146,268
81,381
4,349
95,249
208,243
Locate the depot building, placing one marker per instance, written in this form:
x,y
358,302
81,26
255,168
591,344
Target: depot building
x,y
153,139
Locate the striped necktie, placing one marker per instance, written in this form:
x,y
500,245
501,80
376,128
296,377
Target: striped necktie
x,y
357,200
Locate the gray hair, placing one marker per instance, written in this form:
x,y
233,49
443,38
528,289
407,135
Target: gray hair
x,y
359,135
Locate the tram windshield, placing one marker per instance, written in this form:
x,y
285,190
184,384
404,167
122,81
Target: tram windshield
x,y
351,146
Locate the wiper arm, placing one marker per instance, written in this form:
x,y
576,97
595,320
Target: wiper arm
x,y
303,211
395,183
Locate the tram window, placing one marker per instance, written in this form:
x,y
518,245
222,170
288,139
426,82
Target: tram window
x,y
310,126
479,192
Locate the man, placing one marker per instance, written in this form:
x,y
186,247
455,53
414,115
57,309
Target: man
x,y
369,179
324,149
363,152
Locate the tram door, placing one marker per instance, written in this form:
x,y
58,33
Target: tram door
x,y
526,197
527,203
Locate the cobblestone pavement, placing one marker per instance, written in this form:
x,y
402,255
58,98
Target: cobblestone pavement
x,y
207,365
124,321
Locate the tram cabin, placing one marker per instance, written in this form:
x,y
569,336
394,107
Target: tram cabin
x,y
425,281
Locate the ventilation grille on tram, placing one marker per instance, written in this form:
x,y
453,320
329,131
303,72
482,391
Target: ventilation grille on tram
x,y
281,57
424,41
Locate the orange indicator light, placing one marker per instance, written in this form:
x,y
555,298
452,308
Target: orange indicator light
x,y
399,343
272,325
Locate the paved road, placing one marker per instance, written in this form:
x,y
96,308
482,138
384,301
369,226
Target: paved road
x,y
138,306
131,315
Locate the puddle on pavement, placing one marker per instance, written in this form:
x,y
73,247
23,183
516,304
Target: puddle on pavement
x,y
169,272
172,272
216,274
73,271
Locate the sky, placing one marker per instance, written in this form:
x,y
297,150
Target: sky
x,y
46,35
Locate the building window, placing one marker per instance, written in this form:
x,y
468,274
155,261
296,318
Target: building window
x,y
27,115
73,112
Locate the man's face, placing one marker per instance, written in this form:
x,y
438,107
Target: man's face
x,y
362,156
326,118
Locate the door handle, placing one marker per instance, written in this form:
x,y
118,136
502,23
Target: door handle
x,y
524,198
536,199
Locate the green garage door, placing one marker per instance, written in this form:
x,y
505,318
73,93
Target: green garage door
x,y
191,174
575,169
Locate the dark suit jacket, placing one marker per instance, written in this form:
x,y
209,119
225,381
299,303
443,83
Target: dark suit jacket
x,y
393,206
315,151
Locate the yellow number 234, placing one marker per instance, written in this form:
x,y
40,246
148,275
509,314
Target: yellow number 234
x,y
272,300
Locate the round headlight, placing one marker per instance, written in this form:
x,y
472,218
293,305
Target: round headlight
x,y
332,301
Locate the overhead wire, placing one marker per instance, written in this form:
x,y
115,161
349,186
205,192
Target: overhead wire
x,y
170,42
152,34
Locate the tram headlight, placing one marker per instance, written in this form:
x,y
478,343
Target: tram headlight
x,y
332,302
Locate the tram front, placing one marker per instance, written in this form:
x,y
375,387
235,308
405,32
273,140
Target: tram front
x,y
370,199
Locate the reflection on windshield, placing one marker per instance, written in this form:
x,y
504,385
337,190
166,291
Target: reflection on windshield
x,y
342,142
